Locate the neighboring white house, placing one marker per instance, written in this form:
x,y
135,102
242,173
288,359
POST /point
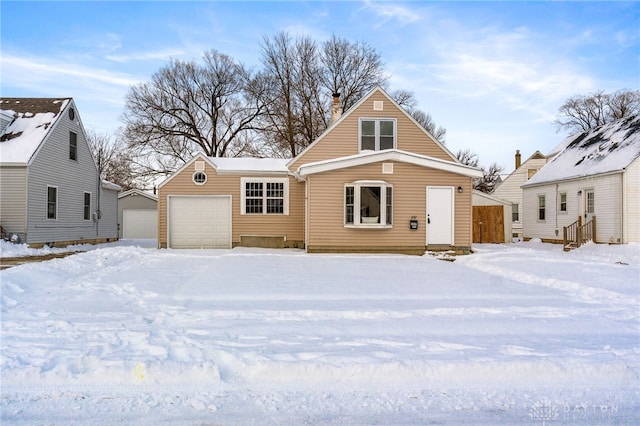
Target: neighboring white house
x,y
595,173
50,188
137,215
510,189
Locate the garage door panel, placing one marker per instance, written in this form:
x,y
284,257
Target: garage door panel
x,y
200,222
139,223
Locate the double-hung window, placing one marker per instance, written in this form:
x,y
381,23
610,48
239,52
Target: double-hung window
x,y
377,134
52,202
515,212
368,204
265,196
563,202
541,207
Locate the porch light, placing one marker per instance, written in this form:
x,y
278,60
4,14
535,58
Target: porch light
x,y
460,190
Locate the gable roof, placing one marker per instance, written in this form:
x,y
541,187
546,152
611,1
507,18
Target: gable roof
x,y
605,149
33,119
354,108
386,155
138,192
237,165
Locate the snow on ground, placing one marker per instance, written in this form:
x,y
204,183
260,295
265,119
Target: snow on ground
x,y
513,334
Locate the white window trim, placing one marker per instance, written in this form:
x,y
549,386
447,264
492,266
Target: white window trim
x,y
356,205
264,181
84,194
560,211
193,177
46,211
377,132
538,208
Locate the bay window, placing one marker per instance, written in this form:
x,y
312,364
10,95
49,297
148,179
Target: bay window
x,y
368,204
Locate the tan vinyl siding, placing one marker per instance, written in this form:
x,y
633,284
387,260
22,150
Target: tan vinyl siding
x,y
326,206
13,200
343,139
291,225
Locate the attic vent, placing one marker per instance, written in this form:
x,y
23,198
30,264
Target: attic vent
x,y
387,168
378,105
199,166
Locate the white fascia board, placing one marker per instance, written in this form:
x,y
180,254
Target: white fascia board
x,y
387,155
571,179
138,192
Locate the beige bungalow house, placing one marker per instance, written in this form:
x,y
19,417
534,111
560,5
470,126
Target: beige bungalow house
x,y
374,181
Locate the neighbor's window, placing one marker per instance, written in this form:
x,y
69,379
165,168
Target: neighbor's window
x,y
377,134
199,178
368,203
541,207
265,196
563,202
52,202
515,212
87,206
73,146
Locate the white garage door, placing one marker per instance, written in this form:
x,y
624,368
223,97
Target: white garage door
x,y
199,221
139,223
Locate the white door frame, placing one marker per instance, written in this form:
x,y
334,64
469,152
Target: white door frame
x,y
439,214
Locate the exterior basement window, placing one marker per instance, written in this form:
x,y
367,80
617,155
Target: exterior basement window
x,y
377,134
265,196
368,204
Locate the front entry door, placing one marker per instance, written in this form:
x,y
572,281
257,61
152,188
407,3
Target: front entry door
x,y
440,215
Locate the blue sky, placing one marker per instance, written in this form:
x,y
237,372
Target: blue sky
x,y
492,73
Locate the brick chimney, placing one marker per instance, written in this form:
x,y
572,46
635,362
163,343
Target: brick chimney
x,y
518,159
336,107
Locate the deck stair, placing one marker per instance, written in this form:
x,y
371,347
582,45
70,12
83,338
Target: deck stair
x,y
576,234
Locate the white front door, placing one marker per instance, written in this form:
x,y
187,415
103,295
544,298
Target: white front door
x,y
589,205
440,214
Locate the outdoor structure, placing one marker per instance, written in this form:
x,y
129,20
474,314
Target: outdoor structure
x,y
137,215
595,174
50,188
374,181
491,219
510,189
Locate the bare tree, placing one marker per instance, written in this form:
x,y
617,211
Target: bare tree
x,y
111,158
351,69
467,157
580,113
188,108
425,120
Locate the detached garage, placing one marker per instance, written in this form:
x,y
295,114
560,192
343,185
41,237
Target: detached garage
x,y
202,221
137,215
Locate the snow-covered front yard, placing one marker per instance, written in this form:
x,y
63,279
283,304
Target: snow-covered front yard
x,y
513,334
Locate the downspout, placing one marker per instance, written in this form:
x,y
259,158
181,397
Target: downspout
x,y
556,209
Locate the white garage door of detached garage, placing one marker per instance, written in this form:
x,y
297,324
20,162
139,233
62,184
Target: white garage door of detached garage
x,y
139,224
199,221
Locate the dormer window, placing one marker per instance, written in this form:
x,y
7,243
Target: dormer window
x,y
377,134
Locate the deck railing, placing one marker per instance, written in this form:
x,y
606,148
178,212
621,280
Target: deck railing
x,y
578,233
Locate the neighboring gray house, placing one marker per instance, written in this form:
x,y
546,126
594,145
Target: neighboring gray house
x,y
50,188
595,173
137,215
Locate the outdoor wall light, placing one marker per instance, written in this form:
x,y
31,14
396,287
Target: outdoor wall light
x,y
460,190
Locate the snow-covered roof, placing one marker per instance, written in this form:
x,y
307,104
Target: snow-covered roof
x,y
261,165
607,148
33,119
138,192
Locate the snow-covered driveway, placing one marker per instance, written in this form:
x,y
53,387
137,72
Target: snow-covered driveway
x,y
517,334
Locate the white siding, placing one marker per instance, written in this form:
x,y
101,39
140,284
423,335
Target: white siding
x,y
510,189
13,200
608,208
108,224
632,203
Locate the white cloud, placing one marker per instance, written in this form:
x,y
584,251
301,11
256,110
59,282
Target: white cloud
x,y
393,11
163,55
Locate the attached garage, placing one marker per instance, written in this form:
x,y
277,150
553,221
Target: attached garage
x,y
139,224
199,221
